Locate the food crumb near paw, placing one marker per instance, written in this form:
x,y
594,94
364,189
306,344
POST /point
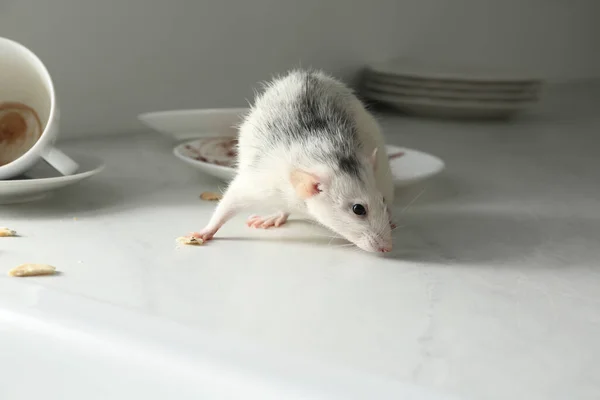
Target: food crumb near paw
x,y
32,270
5,232
211,196
190,241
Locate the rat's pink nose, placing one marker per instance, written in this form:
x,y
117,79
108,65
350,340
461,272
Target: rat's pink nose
x,y
385,249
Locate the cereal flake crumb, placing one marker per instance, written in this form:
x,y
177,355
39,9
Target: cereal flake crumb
x,y
190,240
211,196
5,232
32,270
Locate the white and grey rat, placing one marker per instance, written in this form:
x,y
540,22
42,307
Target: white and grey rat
x,y
309,145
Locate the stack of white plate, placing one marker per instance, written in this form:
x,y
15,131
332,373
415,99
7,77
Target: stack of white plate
x,y
449,91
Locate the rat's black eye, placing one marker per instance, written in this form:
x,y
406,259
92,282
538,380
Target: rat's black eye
x,y
359,209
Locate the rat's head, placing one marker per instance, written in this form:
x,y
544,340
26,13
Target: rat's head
x,y
349,203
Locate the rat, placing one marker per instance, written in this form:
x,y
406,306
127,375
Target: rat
x,y
309,145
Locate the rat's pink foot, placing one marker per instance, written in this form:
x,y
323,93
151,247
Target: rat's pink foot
x,y
204,234
275,220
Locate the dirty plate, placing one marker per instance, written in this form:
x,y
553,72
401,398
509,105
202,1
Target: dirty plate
x,y
216,156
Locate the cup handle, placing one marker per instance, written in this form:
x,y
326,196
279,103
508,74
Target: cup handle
x,y
60,161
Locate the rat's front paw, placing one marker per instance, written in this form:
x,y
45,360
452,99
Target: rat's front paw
x,y
205,234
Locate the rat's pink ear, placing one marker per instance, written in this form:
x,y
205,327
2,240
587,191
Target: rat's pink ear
x,y
306,184
373,159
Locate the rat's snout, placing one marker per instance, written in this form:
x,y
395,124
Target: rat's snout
x,y
375,245
385,246
385,249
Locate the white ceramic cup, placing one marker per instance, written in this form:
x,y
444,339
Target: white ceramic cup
x,y
25,80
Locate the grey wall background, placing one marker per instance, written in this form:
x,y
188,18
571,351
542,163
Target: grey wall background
x,y
113,59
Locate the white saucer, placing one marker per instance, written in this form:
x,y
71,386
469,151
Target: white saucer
x,y
212,156
42,179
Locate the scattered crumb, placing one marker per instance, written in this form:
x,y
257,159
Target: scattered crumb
x,y
74,218
5,232
211,196
32,270
190,240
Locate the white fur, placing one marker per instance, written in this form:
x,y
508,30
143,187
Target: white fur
x,y
267,181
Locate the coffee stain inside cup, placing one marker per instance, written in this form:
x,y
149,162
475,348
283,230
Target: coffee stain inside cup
x,y
20,128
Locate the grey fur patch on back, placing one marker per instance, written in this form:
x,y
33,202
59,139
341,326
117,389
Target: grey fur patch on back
x,y
349,165
321,115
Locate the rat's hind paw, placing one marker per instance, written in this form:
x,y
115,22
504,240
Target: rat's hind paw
x,y
275,220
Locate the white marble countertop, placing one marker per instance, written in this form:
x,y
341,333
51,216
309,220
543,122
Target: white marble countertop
x,y
492,291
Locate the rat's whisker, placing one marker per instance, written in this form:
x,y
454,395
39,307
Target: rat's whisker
x,y
343,245
331,240
327,236
410,203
